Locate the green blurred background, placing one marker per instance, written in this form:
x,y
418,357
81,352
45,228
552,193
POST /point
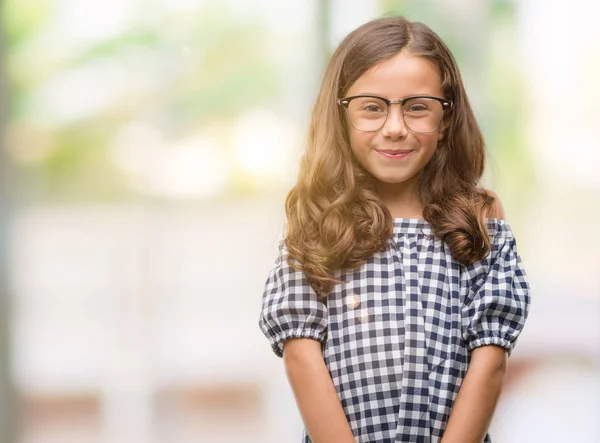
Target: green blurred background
x,y
147,150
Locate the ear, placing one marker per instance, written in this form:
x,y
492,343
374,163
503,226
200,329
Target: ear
x,y
442,130
441,134
444,127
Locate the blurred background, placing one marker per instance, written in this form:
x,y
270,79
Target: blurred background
x,y
147,149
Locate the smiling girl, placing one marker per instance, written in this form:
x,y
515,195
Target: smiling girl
x,y
398,293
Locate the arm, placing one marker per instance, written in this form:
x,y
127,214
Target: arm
x,y
478,395
317,399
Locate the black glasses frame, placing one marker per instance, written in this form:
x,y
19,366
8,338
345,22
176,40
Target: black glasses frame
x,y
446,104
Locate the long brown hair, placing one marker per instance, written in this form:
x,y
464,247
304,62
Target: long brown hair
x,y
335,217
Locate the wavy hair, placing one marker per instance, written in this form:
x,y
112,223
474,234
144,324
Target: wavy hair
x,y
336,219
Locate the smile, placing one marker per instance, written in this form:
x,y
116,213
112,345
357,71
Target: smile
x,y
396,155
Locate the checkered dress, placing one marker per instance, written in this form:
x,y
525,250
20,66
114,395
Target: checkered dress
x,y
396,334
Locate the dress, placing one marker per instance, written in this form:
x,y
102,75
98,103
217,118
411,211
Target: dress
x,y
396,334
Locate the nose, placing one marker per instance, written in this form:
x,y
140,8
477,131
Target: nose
x,y
394,126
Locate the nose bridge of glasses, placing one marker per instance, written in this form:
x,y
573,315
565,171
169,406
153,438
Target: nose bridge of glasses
x,y
396,115
400,101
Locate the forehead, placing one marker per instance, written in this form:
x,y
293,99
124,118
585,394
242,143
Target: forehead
x,y
402,75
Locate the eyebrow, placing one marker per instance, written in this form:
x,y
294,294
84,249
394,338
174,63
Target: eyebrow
x,y
385,96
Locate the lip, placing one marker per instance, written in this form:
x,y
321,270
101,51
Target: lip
x,y
396,155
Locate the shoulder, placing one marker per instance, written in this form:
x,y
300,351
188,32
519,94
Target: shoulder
x,y
497,210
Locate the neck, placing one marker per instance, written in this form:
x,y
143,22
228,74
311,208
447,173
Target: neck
x,y
401,199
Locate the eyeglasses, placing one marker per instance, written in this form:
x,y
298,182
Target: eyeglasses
x,y
421,113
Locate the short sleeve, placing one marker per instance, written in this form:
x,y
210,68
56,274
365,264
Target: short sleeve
x,y
290,307
497,293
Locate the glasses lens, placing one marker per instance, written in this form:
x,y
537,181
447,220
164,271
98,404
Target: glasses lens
x,y
367,113
423,114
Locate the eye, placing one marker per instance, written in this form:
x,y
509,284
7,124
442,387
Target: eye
x,y
417,107
372,107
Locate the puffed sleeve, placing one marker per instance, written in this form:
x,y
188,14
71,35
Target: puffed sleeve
x,y
290,307
497,297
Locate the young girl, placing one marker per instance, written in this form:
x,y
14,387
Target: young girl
x,y
398,293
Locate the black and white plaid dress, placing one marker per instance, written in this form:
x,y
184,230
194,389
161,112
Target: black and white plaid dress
x,y
396,334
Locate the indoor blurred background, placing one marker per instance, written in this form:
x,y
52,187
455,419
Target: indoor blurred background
x,y
147,149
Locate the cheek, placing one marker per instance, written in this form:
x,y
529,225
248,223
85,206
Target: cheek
x,y
360,141
428,142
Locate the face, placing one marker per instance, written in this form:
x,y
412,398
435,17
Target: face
x,y
394,154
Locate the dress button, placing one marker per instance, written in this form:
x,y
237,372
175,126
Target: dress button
x,y
353,301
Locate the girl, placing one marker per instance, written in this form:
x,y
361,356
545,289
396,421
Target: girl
x,y
398,293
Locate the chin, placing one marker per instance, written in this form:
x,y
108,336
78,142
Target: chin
x,y
393,179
